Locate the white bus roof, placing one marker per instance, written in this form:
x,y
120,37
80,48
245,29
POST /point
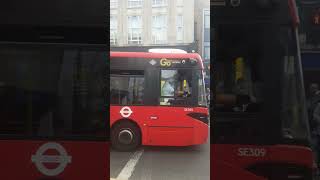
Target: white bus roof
x,y
167,51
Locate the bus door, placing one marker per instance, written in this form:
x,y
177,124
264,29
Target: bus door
x,y
169,124
52,122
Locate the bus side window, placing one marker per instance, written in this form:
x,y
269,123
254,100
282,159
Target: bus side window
x,y
126,89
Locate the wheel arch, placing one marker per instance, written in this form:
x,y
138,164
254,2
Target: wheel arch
x,y
128,120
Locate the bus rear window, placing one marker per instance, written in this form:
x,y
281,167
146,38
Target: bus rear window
x,y
52,92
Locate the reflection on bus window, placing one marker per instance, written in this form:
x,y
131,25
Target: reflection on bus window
x,y
126,90
168,82
176,86
292,102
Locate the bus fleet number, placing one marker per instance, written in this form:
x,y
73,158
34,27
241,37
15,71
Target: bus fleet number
x,y
252,152
188,109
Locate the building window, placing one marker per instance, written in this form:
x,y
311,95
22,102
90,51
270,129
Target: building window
x,y
206,35
134,30
179,28
206,52
207,20
206,29
159,29
135,3
113,30
179,2
159,2
113,4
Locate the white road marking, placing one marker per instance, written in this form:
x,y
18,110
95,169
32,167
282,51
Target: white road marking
x,y
128,169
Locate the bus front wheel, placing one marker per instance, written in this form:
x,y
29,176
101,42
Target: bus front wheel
x,y
125,136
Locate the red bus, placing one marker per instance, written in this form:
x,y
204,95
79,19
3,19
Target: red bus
x,y
260,124
157,99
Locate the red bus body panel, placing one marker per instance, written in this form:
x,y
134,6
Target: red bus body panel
x,y
225,159
90,160
165,126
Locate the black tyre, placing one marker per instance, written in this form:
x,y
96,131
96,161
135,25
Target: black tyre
x,y
125,136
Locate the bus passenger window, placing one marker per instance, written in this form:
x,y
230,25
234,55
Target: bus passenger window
x,y
43,93
126,90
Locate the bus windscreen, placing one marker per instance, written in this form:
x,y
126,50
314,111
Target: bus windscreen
x,y
249,101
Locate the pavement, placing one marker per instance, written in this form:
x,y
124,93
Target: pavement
x,y
162,163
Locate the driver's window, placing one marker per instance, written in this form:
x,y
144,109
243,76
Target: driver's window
x,y
239,85
175,86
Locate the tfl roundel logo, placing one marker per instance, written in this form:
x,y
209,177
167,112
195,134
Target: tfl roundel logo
x,y
51,159
126,112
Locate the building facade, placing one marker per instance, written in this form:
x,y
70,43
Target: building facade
x,y
151,23
202,32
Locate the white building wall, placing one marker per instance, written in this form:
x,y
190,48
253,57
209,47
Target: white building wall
x,y
147,11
